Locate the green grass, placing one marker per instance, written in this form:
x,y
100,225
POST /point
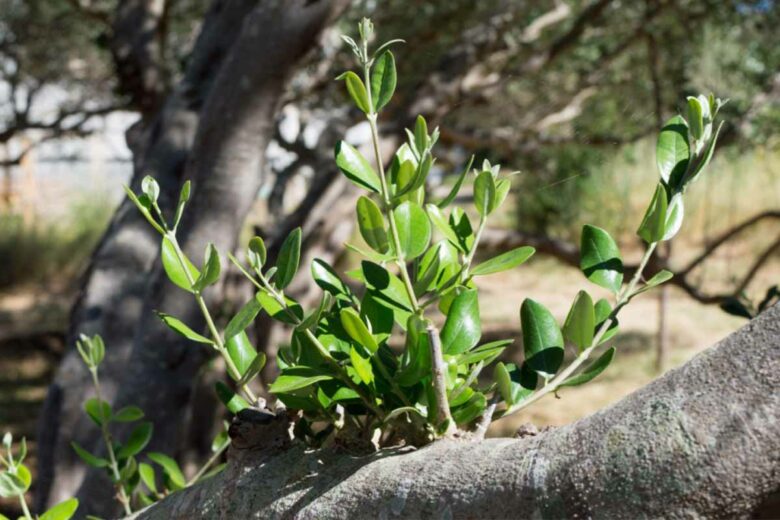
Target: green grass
x,y
36,251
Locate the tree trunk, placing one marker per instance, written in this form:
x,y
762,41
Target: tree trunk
x,y
701,442
237,72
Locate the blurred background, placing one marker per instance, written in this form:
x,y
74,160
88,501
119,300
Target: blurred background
x,y
570,93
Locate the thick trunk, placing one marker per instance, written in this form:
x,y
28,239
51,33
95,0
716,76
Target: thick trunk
x,y
120,290
701,442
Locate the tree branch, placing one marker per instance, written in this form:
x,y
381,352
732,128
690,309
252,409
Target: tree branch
x,y
656,453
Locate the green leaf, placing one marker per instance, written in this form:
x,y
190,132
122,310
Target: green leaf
x,y
542,339
128,414
137,441
501,376
11,485
254,368
289,258
502,190
594,369
706,156
414,229
232,401
173,267
245,316
653,224
372,225
92,460
487,352
658,278
357,330
580,324
184,196
387,289
211,269
357,91
241,352
504,261
177,325
150,188
326,277
62,511
257,252
383,80
24,475
675,212
446,201
415,361
420,134
485,193
470,410
672,150
356,168
170,468
146,472
695,117
288,381
440,221
277,312
462,329
600,259
459,221
362,366
98,410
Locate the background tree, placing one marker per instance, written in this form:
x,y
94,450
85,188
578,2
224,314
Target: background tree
x,y
540,87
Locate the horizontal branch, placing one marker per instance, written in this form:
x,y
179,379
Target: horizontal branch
x,y
655,454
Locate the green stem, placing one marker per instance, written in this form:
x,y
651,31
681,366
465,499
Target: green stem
x,y
388,207
25,509
623,297
214,458
215,335
123,498
470,256
342,374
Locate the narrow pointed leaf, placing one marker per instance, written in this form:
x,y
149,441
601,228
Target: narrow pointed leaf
x,y
593,370
485,193
356,168
357,330
504,261
580,323
241,352
289,258
362,366
357,91
232,401
673,150
414,229
211,269
542,339
139,438
92,460
600,259
173,267
62,511
170,467
178,326
446,201
128,414
371,224
245,316
383,80
462,329
653,224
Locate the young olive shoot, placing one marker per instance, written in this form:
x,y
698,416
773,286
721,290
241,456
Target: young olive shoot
x,y
401,360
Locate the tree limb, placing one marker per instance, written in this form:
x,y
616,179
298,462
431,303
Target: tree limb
x,y
702,441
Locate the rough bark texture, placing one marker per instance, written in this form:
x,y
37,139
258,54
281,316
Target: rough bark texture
x,y
701,442
213,129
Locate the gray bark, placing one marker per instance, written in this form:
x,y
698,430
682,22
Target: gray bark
x,y
701,442
122,286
